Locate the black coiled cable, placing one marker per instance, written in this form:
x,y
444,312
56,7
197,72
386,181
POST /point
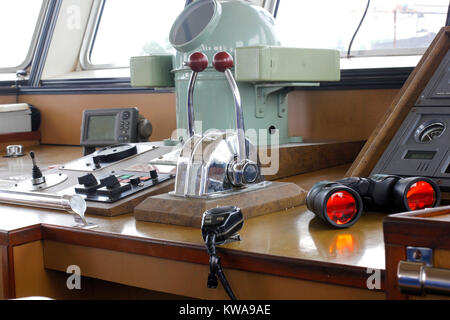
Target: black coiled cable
x,y
215,268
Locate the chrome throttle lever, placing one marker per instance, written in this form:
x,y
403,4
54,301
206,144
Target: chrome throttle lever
x,y
198,62
241,170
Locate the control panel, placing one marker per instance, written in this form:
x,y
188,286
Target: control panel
x,y
421,147
111,180
115,185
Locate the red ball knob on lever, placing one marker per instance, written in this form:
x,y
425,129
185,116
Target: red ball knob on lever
x,y
198,61
222,61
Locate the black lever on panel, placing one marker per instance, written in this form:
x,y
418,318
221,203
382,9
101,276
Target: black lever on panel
x,y
154,174
113,187
88,180
36,175
90,184
96,161
110,182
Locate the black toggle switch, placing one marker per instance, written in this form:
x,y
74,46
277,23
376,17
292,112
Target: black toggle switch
x,y
96,161
90,184
112,187
36,176
88,180
153,174
135,181
110,182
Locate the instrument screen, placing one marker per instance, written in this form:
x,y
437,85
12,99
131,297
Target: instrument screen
x,y
101,127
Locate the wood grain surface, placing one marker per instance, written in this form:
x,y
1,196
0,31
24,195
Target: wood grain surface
x,y
166,208
428,228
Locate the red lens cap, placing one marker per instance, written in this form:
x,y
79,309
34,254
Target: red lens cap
x,y
421,195
341,207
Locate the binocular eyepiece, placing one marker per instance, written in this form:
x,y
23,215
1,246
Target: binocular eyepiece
x,y
341,203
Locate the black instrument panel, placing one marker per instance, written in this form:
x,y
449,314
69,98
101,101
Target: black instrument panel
x,y
102,127
421,147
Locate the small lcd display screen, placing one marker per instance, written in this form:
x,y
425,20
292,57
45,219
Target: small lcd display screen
x,y
101,127
420,155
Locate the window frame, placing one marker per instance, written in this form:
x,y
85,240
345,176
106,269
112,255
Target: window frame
x,y
34,40
87,45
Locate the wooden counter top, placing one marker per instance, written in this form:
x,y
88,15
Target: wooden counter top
x,y
293,243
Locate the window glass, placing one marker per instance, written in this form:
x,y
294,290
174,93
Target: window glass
x,y
389,25
132,28
18,21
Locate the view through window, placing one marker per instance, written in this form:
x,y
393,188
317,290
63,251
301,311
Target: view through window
x,y
392,25
134,27
18,21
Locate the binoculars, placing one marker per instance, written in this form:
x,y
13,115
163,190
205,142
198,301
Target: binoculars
x,y
341,203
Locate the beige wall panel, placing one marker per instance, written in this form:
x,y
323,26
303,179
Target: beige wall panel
x,y
32,279
339,115
188,279
7,99
62,114
29,273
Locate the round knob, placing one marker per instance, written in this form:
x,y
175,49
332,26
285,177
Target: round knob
x,y
222,61
198,61
250,172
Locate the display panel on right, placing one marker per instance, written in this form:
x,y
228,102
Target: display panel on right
x,y
421,147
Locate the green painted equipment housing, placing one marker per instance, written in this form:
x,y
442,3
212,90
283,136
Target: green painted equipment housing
x,y
265,71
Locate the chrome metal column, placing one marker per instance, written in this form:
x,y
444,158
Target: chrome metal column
x,y
418,278
190,107
240,128
198,62
73,204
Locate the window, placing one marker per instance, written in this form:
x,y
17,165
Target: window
x,y
19,25
130,28
399,27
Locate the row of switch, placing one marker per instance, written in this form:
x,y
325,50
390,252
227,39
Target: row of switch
x,y
134,180
112,185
